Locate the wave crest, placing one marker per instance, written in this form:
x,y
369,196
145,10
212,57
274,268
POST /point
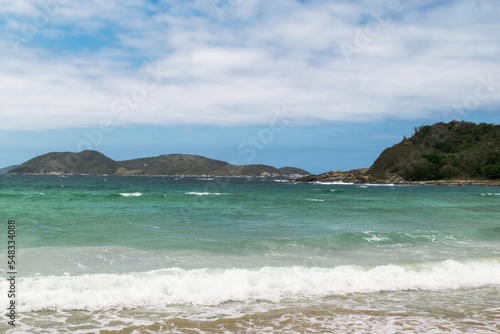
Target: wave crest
x,y
136,194
208,287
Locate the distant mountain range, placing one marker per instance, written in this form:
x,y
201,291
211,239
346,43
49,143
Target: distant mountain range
x,y
456,151
95,163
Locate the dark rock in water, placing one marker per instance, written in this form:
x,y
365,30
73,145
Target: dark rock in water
x,y
351,176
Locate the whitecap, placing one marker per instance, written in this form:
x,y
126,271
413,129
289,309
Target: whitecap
x,y
375,238
334,182
136,194
379,184
204,193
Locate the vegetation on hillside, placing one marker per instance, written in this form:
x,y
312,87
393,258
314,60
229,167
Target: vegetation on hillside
x,y
85,162
457,150
95,163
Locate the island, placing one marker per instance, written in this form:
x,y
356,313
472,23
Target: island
x,y
91,162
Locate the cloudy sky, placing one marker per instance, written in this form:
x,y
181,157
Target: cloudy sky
x,y
317,84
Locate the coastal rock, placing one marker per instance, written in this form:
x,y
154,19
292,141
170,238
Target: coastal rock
x,y
351,176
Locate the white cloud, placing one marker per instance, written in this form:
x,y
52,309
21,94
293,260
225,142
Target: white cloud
x,y
237,69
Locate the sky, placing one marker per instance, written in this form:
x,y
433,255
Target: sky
x,y
320,85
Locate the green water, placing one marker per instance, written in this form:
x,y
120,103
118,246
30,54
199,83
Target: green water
x,y
177,235
239,216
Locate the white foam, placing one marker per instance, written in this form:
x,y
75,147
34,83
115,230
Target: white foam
x,y
208,287
136,194
374,322
204,193
334,182
315,200
379,184
205,178
375,238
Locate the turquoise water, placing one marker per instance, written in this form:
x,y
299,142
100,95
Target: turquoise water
x,y
166,254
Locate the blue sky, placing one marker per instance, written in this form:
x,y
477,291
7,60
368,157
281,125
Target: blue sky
x,y
321,85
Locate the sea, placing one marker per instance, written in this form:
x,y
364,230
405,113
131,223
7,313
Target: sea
x,y
141,254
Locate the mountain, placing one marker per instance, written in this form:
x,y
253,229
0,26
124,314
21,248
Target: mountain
x,y
86,162
95,163
7,169
456,151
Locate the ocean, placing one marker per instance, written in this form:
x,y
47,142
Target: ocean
x,y
109,254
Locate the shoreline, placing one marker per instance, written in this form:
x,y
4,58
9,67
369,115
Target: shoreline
x,y
305,179
361,176
486,183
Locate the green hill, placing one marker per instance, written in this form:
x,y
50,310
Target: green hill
x,y
457,150
86,162
173,164
95,163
